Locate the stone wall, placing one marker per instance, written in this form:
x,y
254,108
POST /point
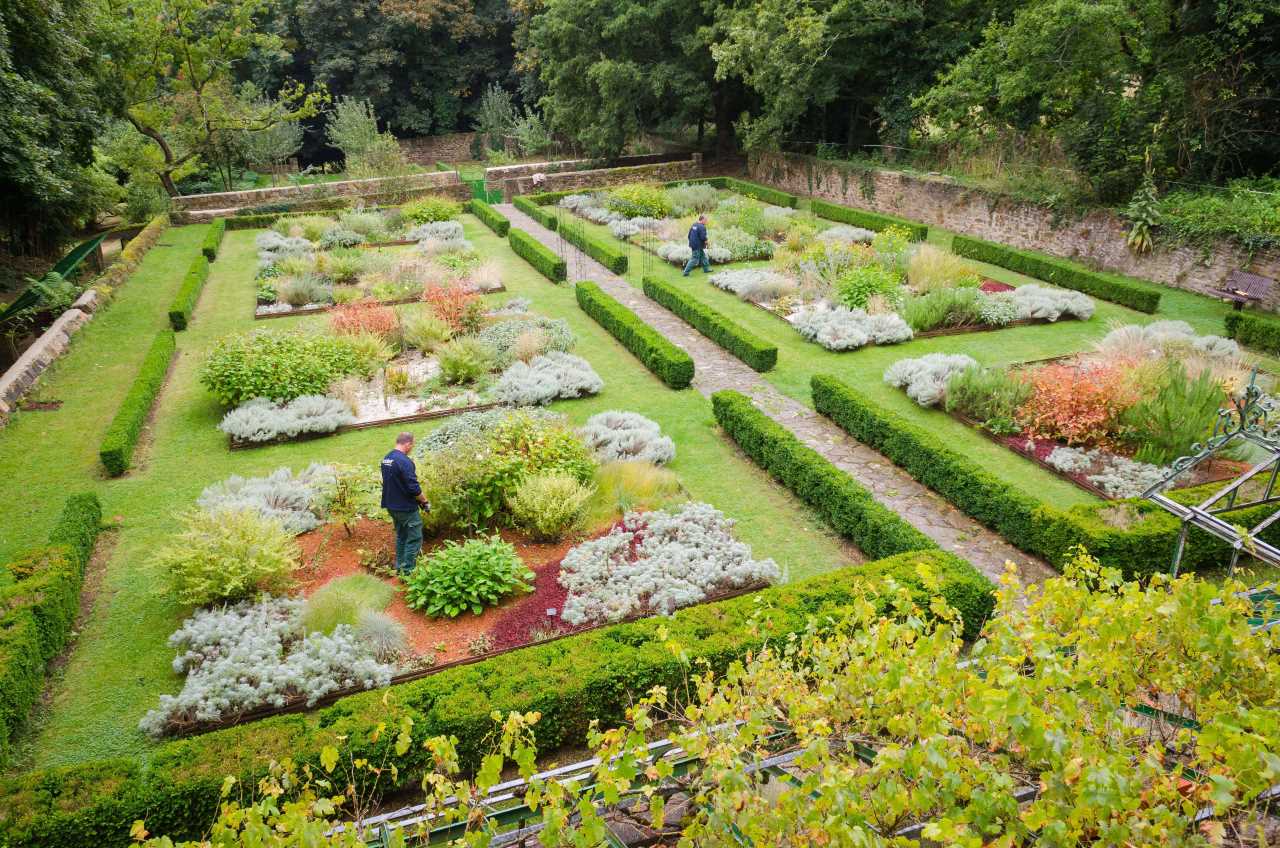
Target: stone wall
x,y
685,169
53,342
429,149
227,202
1096,240
496,178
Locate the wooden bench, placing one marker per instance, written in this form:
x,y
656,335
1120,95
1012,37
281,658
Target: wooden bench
x,y
1243,287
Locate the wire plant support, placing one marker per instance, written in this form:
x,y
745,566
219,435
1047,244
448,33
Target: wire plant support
x,y
1245,422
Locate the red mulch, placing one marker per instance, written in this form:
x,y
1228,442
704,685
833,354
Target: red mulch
x,y
994,286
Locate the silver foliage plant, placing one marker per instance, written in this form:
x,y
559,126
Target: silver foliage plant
x,y
514,306
251,655
438,230
1118,476
845,234
692,197
292,499
757,285
678,254
272,247
546,378
629,227
840,328
658,562
263,420
502,336
617,435
925,377
1050,304
469,424
1159,336
999,309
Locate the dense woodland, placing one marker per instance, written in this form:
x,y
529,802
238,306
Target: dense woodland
x,y
109,102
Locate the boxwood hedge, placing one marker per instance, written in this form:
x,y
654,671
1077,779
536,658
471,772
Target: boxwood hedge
x,y
121,437
868,220
545,217
1253,330
490,217
850,509
731,336
672,365
538,255
1126,291
762,193
184,302
213,239
608,253
39,600
571,682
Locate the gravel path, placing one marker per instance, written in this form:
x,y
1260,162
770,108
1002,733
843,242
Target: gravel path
x,y
716,369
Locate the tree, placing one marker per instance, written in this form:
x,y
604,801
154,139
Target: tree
x,y
173,63
352,127
269,149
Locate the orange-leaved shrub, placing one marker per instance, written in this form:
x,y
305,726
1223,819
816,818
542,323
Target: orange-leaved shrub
x,y
364,317
1081,406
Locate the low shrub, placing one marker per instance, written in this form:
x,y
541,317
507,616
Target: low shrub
x,y
365,317
510,337
627,436
859,283
607,253
671,364
467,578
762,193
457,306
1077,405
545,378
850,509
423,330
184,302
1253,330
490,217
464,360
262,420
226,555
122,434
638,200
925,378
759,354
1126,291
868,220
547,506
295,500
991,396
304,290
545,217
431,208
279,365
541,257
840,328
689,198
213,239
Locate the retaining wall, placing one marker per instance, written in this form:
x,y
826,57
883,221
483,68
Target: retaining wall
x,y
1096,240
430,149
23,374
497,178
227,202
684,169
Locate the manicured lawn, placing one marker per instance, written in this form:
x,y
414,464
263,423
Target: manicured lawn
x,y
121,664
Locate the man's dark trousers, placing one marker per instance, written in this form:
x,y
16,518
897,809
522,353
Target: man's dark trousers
x,y
408,524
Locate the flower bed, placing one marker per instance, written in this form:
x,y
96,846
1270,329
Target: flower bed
x,y
378,365
1110,420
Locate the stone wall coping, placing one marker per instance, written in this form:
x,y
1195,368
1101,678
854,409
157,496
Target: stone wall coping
x,y
35,360
256,196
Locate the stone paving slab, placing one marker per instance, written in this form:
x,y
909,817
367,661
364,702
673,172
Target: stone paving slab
x,y
716,369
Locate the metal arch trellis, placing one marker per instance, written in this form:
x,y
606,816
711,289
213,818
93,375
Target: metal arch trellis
x,y
1246,420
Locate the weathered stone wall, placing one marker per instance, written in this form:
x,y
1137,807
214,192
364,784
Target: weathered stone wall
x,y
495,178
226,202
23,374
685,169
430,149
1097,240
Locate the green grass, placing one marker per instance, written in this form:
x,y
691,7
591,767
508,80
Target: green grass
x,y
120,664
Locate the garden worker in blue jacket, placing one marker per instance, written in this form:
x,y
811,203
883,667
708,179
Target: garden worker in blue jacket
x,y
402,497
698,244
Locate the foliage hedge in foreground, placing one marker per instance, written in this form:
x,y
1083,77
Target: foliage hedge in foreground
x,y
850,509
608,253
121,438
571,682
39,601
184,302
672,365
490,217
868,220
762,193
1253,330
213,239
1140,543
545,217
741,342
538,255
1125,291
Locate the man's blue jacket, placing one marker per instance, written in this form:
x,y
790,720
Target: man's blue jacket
x,y
400,488
698,236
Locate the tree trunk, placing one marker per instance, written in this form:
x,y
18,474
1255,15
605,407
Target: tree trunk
x,y
724,123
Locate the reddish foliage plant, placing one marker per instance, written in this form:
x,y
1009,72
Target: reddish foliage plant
x,y
364,317
1079,406
455,305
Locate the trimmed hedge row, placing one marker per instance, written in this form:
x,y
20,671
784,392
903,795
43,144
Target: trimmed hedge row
x,y
671,364
122,436
538,255
762,193
39,601
571,681
1125,291
131,257
544,217
1140,545
850,509
184,302
607,253
738,340
213,238
490,217
867,220
1253,330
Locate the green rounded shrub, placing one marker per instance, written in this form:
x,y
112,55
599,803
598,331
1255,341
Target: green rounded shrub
x,y
432,208
467,577
226,555
464,360
639,200
277,365
547,506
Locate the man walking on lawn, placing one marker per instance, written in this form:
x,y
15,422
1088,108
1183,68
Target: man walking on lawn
x,y
698,244
402,497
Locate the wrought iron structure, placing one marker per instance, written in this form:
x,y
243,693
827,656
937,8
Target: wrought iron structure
x,y
1246,421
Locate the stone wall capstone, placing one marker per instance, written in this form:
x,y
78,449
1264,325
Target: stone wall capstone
x,y
685,169
227,202
1096,240
23,374
495,178
430,149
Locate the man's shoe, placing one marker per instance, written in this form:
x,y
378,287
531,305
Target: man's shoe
x,y
685,274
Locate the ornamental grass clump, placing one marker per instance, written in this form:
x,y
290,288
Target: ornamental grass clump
x,y
464,360
421,329
226,555
931,268
548,506
342,601
467,577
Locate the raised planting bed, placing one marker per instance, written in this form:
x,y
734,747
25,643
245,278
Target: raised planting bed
x,y
1111,420
318,308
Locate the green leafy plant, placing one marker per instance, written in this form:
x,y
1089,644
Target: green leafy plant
x,y
954,307
989,395
467,578
547,506
464,360
1143,213
639,200
432,208
279,365
226,555
856,285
